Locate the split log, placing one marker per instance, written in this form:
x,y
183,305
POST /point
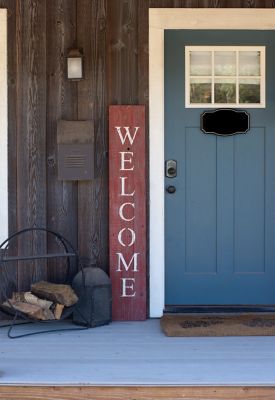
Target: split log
x,y
18,296
62,294
30,298
31,310
58,309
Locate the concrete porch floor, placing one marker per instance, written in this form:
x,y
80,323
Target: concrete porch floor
x,y
134,354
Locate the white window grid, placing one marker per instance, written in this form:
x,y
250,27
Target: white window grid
x,y
237,49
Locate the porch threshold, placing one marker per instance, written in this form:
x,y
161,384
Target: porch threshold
x,y
198,309
135,354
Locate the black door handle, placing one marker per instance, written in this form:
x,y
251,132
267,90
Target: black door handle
x,y
170,189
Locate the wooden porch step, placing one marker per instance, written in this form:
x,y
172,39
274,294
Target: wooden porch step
x,y
135,393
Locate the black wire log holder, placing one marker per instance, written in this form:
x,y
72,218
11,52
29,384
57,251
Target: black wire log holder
x,y
69,252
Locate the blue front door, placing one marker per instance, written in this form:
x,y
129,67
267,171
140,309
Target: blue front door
x,y
220,221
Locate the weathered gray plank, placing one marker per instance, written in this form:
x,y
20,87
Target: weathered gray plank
x,y
92,195
31,171
122,52
61,104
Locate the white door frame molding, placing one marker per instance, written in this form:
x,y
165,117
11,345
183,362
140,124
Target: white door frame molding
x,y
3,126
159,20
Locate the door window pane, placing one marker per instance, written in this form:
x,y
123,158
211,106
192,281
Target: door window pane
x,y
217,76
249,91
225,63
249,63
200,63
225,91
200,90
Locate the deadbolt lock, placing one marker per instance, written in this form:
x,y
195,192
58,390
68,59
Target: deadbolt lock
x,y
171,168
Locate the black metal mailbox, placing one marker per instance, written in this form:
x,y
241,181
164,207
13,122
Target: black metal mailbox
x,y
75,144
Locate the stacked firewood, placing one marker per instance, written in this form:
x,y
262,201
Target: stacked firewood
x,y
45,300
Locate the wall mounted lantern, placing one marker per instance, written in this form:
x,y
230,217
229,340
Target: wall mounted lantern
x,y
75,65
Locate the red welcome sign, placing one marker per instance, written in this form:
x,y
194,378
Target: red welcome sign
x,y
127,211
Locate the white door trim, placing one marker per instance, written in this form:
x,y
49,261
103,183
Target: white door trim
x,y
3,126
159,20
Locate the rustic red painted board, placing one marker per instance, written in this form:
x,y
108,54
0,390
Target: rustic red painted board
x,y
127,211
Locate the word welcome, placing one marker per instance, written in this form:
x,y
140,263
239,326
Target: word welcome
x,y
127,212
126,235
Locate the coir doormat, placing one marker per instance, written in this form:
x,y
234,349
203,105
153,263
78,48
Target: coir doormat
x,y
252,324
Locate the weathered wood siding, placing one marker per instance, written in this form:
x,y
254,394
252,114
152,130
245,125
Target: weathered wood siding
x,y
114,38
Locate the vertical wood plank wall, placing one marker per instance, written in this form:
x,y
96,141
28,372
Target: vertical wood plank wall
x,y
114,37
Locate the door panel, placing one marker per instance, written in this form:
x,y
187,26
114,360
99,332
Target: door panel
x,y
200,189
249,203
220,222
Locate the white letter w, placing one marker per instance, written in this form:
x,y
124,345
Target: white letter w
x,y
127,134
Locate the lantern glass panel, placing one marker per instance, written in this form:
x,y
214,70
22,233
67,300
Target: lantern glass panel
x,y
75,68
